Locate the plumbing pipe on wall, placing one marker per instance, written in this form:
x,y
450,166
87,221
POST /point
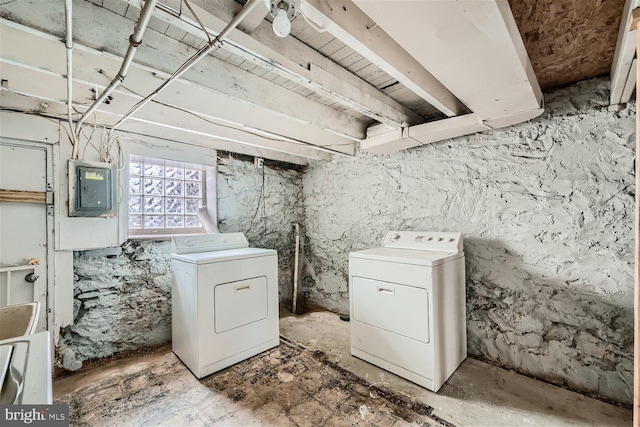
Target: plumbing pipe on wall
x,y
296,263
204,51
636,297
134,41
69,48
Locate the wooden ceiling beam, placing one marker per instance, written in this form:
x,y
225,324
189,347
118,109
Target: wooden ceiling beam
x,y
136,128
294,60
231,94
624,56
33,63
345,21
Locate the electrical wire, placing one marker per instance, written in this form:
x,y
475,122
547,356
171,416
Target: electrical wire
x,y
89,142
38,114
264,210
258,134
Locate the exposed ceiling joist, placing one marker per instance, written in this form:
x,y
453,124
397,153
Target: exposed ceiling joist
x,y
622,79
21,126
181,128
324,85
347,22
295,61
490,70
33,63
390,141
27,46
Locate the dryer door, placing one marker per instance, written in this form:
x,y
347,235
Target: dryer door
x,y
240,303
403,310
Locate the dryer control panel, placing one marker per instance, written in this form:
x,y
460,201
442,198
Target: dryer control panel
x,y
208,242
440,241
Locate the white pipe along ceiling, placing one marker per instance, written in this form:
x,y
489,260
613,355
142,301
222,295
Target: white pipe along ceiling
x,y
134,41
381,76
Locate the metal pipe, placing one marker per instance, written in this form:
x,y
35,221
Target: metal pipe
x,y
295,270
134,41
204,51
195,15
636,287
69,46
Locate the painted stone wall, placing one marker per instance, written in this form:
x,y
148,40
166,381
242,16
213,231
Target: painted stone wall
x,y
122,296
265,213
546,209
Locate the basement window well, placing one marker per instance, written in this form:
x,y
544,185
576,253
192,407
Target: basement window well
x,y
165,195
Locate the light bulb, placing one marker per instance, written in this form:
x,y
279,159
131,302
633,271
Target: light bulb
x,y
281,24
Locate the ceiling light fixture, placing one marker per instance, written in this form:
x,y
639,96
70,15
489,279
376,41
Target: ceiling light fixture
x,y
283,12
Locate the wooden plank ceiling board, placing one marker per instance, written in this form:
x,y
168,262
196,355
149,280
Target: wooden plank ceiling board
x,y
568,40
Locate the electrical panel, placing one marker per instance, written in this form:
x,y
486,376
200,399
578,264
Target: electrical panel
x,y
92,189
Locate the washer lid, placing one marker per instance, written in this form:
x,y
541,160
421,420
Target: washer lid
x,y
407,256
201,258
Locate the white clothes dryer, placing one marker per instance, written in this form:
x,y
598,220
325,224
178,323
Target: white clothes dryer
x,y
224,301
407,302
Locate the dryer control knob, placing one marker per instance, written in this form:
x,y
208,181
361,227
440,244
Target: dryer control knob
x,y
440,239
189,242
451,239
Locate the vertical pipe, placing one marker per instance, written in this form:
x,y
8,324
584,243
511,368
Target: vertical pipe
x,y
69,49
636,298
296,262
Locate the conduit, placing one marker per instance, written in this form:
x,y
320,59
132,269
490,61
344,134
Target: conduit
x,y
215,44
296,262
69,46
134,41
636,288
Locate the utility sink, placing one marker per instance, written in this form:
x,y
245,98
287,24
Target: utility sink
x,y
15,321
18,320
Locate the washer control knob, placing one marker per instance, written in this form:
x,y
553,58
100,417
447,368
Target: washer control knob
x,y
440,239
430,239
451,239
189,242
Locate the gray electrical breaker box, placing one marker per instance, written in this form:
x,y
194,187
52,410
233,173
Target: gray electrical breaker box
x,y
92,189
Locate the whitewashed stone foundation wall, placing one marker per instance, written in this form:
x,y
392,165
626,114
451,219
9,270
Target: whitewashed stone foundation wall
x,y
122,296
546,208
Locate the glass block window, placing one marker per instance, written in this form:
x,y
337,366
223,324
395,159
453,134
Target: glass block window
x,y
164,196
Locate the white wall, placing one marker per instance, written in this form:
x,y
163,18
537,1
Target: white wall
x,y
546,209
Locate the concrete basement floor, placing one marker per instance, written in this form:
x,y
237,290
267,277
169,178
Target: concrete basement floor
x,y
477,394
311,379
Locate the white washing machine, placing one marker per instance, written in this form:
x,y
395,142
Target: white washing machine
x,y
407,302
224,301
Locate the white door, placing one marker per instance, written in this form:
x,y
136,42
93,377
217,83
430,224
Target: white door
x,y
24,226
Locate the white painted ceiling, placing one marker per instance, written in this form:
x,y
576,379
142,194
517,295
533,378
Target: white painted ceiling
x,y
382,75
